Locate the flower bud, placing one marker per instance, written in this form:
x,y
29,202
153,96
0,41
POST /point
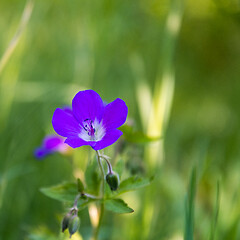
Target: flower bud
x,y
112,180
65,221
74,224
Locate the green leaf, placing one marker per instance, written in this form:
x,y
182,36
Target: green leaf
x,y
117,206
233,231
136,136
133,183
42,236
82,203
43,233
92,177
107,191
67,192
118,168
80,186
63,192
15,172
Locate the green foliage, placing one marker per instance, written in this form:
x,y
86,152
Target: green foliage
x,y
107,191
14,172
215,214
89,46
92,177
136,136
233,231
80,186
133,183
67,192
42,236
42,233
117,206
119,167
62,192
189,207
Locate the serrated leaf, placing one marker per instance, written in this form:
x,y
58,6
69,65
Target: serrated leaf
x,y
133,183
117,206
136,136
61,192
67,192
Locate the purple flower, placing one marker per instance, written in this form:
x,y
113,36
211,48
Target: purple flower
x,y
91,122
51,144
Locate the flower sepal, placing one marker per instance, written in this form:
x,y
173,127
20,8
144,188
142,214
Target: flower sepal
x,y
65,221
74,224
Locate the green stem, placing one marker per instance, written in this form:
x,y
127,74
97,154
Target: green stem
x,y
108,163
96,232
102,172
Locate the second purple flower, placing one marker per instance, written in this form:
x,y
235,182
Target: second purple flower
x,y
91,122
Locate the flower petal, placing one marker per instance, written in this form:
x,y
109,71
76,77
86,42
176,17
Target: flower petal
x,y
111,137
115,114
52,142
40,153
76,142
87,105
68,110
65,124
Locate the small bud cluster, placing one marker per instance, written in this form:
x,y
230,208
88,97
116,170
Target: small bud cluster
x,y
71,221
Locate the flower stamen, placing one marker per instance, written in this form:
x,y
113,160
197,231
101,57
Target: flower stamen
x,y
88,127
91,130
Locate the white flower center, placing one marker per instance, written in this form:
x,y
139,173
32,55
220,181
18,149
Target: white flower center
x,y
92,131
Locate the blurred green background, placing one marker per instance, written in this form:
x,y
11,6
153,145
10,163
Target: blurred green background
x,y
177,66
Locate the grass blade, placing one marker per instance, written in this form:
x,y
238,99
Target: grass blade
x,y
216,212
13,43
189,207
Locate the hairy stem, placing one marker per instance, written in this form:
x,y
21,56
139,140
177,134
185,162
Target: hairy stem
x,y
76,201
102,173
96,232
108,163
